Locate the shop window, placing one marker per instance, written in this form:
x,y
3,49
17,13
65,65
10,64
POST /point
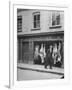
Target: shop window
x,y
36,20
19,23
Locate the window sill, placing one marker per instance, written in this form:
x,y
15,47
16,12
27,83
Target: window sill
x,y
56,26
19,31
33,29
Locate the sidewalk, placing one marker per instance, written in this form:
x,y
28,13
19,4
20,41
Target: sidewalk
x,y
40,68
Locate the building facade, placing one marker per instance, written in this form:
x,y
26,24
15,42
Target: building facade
x,y
40,28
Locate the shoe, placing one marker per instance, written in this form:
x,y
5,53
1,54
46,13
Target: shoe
x,y
45,67
50,67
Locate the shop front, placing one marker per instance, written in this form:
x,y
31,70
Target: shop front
x,y
36,45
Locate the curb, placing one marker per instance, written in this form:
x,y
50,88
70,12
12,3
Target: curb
x,y
40,70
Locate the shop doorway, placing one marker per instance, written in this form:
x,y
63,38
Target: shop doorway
x,y
25,52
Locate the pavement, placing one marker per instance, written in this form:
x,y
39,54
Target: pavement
x,y
40,68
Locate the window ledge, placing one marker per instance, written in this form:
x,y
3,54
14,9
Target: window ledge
x,y
19,30
33,29
56,26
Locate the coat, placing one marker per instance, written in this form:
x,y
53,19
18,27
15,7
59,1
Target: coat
x,y
48,59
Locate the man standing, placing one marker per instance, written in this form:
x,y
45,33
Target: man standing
x,y
49,59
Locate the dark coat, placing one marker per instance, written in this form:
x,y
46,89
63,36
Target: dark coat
x,y
48,59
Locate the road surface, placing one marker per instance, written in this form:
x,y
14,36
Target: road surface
x,y
34,75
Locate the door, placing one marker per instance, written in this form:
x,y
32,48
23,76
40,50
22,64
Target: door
x,y
25,52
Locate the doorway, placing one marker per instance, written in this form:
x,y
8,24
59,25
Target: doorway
x,y
25,52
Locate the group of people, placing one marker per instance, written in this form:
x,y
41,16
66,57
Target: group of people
x,y
51,57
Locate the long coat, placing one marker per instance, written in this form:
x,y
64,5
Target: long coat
x,y
48,59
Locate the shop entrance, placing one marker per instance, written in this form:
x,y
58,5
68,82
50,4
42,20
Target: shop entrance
x,y
25,52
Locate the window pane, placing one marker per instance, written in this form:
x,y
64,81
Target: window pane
x,y
36,20
38,17
53,19
34,24
58,19
53,23
34,17
19,23
38,24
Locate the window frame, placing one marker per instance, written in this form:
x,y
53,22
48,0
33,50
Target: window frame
x,y
56,13
19,23
36,21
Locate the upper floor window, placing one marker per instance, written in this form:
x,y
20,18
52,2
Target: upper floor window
x,y
55,19
36,20
19,23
